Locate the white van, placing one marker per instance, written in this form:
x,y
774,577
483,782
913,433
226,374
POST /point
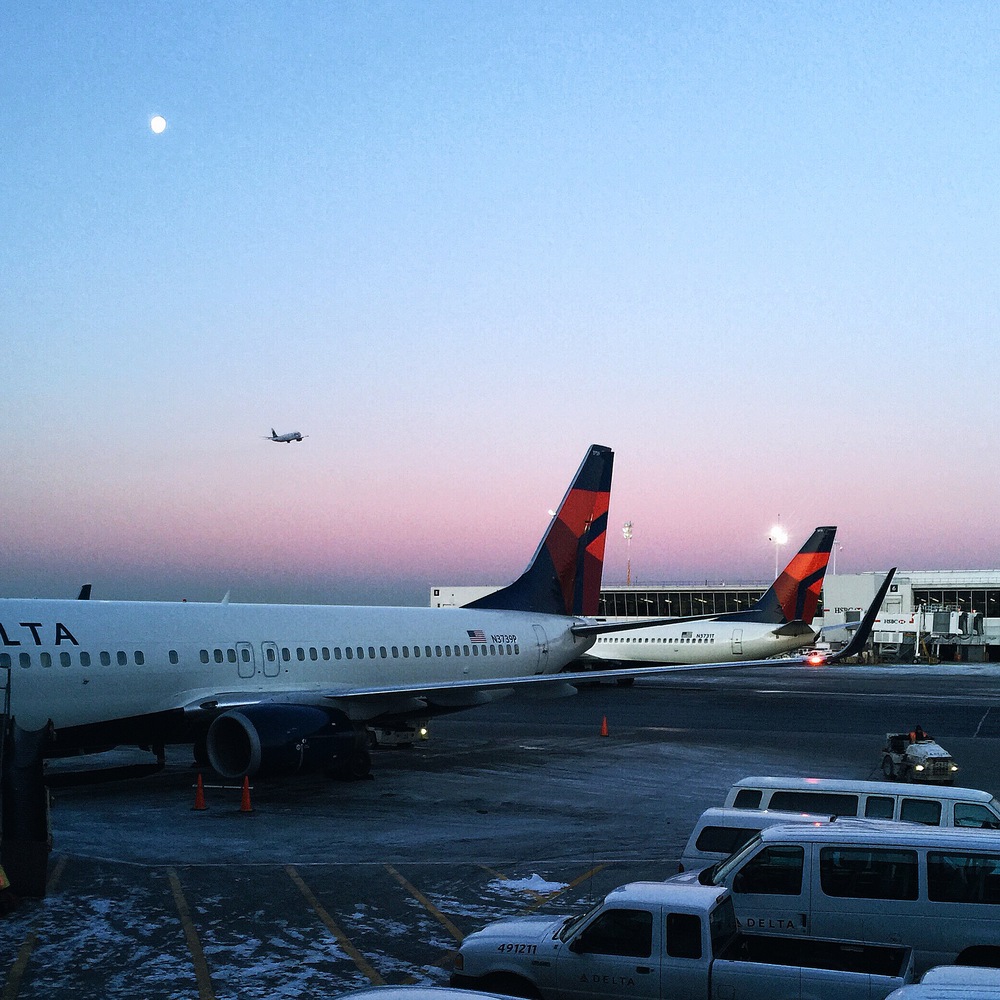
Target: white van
x,y
931,805
934,888
721,832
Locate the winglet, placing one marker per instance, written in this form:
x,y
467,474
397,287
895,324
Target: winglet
x,y
864,630
564,575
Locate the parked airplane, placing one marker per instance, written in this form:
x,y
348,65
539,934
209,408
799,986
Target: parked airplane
x,y
261,688
285,438
778,623
268,689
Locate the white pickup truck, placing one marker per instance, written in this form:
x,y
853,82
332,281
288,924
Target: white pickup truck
x,y
666,940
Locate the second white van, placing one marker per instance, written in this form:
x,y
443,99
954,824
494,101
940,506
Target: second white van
x,y
930,805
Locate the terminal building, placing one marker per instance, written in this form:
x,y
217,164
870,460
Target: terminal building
x,y
927,614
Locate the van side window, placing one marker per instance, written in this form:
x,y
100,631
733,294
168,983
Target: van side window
x,y
879,806
868,873
618,932
747,798
775,871
723,839
963,878
834,803
967,814
925,811
683,935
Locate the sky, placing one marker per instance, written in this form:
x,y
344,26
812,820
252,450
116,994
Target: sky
x,y
751,246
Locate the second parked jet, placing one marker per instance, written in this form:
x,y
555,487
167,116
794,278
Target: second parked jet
x,y
779,622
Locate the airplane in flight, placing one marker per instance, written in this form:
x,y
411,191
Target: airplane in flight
x,y
777,623
277,689
285,438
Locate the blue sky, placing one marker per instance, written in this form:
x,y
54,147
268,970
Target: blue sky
x,y
752,247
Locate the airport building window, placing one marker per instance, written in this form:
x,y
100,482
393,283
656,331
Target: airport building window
x,y
45,659
64,659
204,656
24,659
105,659
172,655
85,659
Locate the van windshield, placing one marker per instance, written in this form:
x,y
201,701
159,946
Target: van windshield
x,y
716,874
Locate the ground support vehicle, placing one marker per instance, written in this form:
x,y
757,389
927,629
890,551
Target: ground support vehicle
x,y
932,805
922,760
663,940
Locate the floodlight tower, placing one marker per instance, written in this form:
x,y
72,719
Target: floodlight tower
x,y
627,532
779,537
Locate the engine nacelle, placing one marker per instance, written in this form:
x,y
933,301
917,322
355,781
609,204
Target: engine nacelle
x,y
286,739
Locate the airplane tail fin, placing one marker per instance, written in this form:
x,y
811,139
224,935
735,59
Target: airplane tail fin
x,y
273,434
564,575
794,596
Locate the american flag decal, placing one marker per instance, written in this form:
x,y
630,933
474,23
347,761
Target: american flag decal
x,y
476,634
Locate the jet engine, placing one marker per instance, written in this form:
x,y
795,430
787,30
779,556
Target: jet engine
x,y
272,739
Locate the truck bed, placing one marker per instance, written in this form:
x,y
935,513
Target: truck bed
x,y
818,953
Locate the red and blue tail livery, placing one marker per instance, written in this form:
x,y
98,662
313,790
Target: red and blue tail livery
x,y
564,575
794,596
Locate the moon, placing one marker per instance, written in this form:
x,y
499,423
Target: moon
x,y
158,123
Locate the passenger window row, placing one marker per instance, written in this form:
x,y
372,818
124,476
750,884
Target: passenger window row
x,y
83,658
315,653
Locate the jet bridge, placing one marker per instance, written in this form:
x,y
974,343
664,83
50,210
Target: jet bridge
x,y
25,838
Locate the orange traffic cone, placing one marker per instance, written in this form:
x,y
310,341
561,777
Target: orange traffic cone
x,y
245,806
604,726
199,795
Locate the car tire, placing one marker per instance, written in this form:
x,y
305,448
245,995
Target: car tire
x,y
888,768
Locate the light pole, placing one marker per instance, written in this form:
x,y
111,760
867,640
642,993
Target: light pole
x,y
627,532
833,562
779,536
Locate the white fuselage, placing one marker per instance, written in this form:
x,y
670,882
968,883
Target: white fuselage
x,y
697,642
84,663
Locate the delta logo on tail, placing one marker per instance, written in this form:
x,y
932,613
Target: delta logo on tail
x,y
794,596
564,575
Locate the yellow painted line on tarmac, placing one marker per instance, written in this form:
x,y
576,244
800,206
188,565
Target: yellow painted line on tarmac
x,y
201,973
342,939
427,904
13,985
